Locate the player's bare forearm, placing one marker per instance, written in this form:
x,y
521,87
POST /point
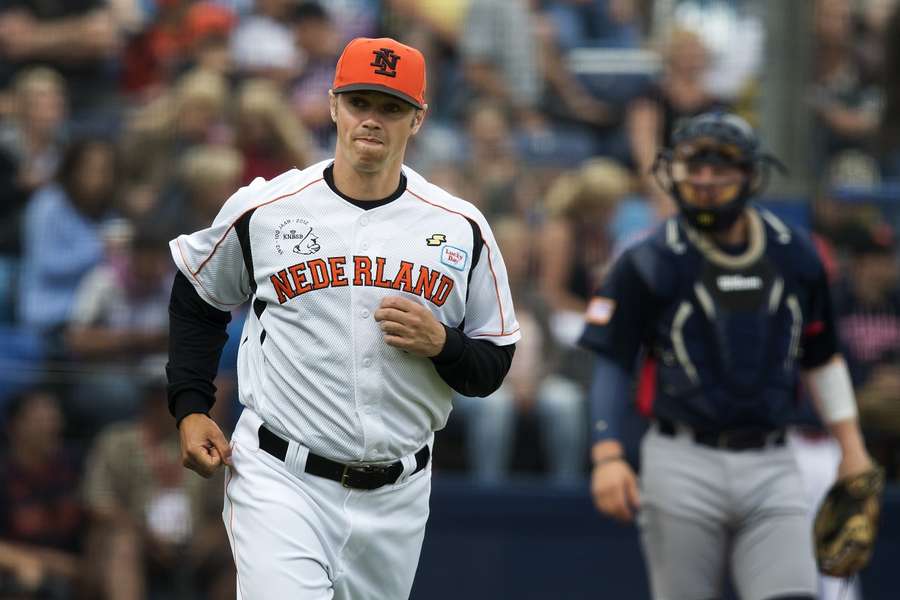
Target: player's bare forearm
x,y
410,326
855,459
204,448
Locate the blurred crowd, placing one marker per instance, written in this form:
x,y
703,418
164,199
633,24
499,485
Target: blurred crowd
x,y
126,122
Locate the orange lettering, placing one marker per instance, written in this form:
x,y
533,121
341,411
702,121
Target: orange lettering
x,y
282,286
426,282
318,272
380,281
443,291
299,278
362,270
338,278
403,280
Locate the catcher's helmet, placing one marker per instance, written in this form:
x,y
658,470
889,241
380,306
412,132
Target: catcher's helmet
x,y
714,138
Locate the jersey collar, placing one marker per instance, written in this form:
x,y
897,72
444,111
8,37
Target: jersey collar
x,y
328,175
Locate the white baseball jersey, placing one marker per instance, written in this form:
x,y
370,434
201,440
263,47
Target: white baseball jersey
x,y
313,362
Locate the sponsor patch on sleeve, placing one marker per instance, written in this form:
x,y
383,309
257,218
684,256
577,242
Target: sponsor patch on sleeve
x,y
455,258
600,310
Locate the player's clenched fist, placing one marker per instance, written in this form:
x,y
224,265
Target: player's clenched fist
x,y
203,445
615,490
410,326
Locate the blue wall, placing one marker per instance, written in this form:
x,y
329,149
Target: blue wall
x,y
529,541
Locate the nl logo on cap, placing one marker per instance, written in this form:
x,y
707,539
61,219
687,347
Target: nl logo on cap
x,y
385,61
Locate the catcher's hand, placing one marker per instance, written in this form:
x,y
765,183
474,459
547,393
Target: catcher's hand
x,y
847,523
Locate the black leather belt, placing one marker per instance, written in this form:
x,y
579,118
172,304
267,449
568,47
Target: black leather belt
x,y
360,477
729,439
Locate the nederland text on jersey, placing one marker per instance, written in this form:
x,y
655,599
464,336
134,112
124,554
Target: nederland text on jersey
x,y
321,273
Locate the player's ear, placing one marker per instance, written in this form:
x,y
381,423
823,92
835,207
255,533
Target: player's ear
x,y
418,118
332,103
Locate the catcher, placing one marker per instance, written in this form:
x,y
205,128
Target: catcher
x,y
728,309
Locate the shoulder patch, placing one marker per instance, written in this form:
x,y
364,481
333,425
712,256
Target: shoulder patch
x,y
600,310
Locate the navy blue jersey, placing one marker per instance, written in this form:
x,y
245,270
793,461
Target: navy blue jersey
x,y
728,333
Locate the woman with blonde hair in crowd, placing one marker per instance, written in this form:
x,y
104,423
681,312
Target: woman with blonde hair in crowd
x,y
193,112
575,244
269,135
208,175
653,116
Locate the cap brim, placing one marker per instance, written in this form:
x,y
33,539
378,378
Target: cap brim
x,y
374,87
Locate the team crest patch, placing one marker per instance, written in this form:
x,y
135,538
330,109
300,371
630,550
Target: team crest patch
x,y
600,310
455,258
436,239
296,236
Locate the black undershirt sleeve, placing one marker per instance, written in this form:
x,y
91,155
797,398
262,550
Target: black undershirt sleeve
x,y
196,338
472,367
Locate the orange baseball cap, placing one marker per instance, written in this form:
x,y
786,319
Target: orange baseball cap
x,y
382,65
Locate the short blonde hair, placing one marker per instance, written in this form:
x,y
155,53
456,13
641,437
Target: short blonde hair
x,y
209,165
199,86
598,183
37,79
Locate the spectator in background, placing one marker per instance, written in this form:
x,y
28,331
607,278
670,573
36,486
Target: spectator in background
x,y
575,243
492,164
41,518
206,174
155,531
62,237
533,387
867,311
889,130
499,58
30,147
119,317
192,113
77,37
847,107
263,44
180,35
317,37
594,23
435,27
654,115
269,136
568,101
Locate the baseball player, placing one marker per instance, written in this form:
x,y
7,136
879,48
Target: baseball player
x,y
374,295
727,307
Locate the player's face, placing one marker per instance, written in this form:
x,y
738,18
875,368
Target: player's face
x,y
709,185
373,128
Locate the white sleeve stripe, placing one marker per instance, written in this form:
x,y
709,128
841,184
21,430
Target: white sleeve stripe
x,y
224,235
490,261
195,278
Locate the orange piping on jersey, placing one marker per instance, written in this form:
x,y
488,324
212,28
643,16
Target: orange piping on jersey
x,y
283,196
228,478
194,276
490,263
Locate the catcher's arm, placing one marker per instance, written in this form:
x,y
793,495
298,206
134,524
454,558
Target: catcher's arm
x,y
846,522
832,393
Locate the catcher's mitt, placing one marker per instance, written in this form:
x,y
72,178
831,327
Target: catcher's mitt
x,y
847,522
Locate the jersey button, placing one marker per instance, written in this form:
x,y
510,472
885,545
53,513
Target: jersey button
x,y
367,362
364,314
364,246
364,220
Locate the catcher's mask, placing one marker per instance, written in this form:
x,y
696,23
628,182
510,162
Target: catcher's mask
x,y
711,199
